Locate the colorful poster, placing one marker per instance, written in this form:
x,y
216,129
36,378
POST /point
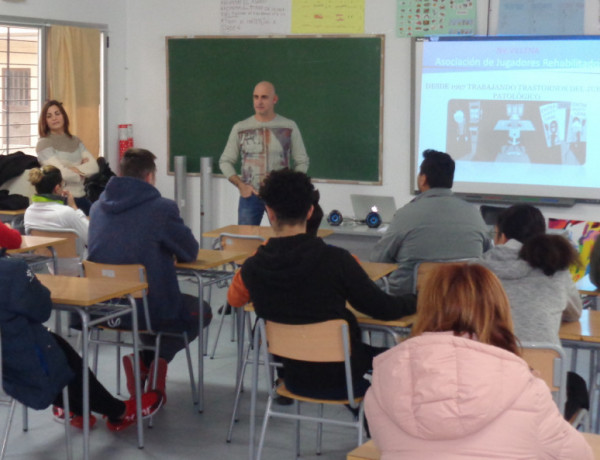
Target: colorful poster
x,y
255,17
328,16
417,18
583,235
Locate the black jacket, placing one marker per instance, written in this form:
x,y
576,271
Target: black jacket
x,y
302,280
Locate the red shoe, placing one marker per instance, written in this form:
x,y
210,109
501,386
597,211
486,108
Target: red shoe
x,y
151,402
161,377
74,420
129,374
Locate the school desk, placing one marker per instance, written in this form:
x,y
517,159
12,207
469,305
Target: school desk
x,y
14,216
83,296
204,271
30,243
254,230
368,451
354,237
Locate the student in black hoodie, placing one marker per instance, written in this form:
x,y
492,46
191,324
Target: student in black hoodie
x,y
297,278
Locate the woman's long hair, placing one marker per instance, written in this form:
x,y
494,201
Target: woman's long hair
x,y
467,299
549,253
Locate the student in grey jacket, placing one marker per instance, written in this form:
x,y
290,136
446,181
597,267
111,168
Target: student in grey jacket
x,y
534,270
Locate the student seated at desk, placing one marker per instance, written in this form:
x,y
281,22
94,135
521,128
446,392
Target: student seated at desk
x,y
534,270
37,364
457,389
132,223
296,278
53,208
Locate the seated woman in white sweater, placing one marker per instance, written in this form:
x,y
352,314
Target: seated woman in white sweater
x,y
53,208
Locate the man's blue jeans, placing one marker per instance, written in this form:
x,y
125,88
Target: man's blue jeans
x,y
250,210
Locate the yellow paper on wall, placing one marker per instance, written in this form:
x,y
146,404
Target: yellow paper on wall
x,y
328,16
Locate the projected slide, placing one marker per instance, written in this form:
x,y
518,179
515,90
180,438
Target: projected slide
x,y
520,116
517,131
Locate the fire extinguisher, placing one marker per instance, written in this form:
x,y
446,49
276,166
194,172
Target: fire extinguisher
x,y
125,138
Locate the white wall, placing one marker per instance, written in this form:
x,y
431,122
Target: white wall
x,y
138,81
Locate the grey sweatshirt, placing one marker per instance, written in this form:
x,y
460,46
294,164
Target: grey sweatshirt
x,y
538,302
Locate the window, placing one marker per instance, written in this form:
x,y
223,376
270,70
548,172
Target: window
x,y
19,88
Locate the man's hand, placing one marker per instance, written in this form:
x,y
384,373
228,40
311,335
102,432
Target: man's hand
x,y
246,190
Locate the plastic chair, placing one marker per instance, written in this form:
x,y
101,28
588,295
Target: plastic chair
x,y
7,400
134,272
324,342
550,362
244,243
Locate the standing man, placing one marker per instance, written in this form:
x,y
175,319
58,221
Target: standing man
x,y
132,223
266,141
436,225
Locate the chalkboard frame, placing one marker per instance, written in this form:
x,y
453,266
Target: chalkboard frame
x,y
238,106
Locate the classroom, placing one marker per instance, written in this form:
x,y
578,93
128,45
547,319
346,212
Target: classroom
x,y
136,93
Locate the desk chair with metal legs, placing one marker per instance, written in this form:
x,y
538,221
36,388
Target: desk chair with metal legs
x,y
134,272
325,342
550,362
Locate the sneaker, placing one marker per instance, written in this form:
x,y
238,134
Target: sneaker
x,y
75,420
130,376
151,402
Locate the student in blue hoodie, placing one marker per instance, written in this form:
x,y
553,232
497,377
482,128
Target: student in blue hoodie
x,y
131,223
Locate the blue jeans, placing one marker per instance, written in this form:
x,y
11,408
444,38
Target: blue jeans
x,y
250,210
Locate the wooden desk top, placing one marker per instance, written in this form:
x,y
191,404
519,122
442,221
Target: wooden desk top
x,y
265,232
30,242
368,451
587,329
211,258
84,292
377,270
12,212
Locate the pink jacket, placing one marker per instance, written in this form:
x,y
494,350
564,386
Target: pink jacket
x,y
438,396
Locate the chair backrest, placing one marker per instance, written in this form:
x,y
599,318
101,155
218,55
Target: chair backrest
x,y
317,342
324,342
66,250
129,272
423,269
243,243
549,361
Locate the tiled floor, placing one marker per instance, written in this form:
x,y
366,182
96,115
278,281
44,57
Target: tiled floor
x,y
179,431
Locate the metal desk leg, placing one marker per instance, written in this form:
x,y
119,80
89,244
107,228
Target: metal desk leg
x,y
136,372
256,357
200,339
86,382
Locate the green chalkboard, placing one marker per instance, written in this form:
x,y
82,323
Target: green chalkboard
x,y
330,86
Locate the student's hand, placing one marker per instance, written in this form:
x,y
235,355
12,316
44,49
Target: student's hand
x,y
70,200
246,190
